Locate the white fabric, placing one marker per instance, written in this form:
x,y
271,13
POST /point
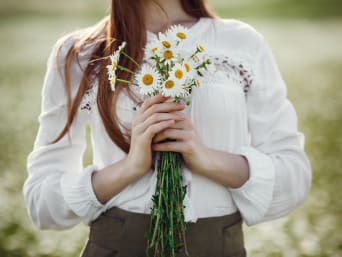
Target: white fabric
x,y
260,125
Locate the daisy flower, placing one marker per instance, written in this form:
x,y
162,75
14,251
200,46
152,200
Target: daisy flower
x,y
178,32
168,50
111,69
168,55
173,88
198,82
122,46
114,59
190,66
112,81
152,48
167,40
200,48
148,80
199,54
179,73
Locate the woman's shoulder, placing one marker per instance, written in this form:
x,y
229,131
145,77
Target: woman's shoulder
x,y
233,35
236,27
83,41
54,82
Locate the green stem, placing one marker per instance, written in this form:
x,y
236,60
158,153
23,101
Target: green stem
x,y
158,212
125,69
131,59
127,82
167,216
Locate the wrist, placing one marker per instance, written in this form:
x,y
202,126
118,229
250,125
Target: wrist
x,y
127,172
208,163
203,161
131,171
225,168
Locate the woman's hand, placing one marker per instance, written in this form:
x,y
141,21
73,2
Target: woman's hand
x,y
226,168
154,116
187,142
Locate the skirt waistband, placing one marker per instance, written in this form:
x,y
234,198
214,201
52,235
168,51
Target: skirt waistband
x,y
122,214
121,233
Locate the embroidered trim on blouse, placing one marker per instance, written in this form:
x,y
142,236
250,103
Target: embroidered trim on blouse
x,y
236,70
89,98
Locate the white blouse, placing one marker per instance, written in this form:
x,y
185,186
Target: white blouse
x,y
242,109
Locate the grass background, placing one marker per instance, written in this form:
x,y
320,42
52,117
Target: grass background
x,y
305,36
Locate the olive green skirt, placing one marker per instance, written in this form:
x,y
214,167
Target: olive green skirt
x,y
120,233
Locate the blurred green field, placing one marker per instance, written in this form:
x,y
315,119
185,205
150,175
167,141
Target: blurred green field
x,y
305,36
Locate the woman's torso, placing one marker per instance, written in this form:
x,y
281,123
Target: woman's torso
x,y
217,111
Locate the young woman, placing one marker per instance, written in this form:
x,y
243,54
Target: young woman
x,y
243,154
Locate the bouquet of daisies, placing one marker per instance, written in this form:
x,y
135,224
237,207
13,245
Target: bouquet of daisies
x,y
170,71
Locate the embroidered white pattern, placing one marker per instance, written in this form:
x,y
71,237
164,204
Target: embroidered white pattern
x,y
89,98
236,70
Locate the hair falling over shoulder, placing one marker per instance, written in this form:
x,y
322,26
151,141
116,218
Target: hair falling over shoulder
x,y
125,23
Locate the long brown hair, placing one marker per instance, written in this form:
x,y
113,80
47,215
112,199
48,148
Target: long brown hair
x,y
125,23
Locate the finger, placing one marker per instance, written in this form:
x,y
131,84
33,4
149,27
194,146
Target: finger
x,y
158,117
151,101
183,124
177,134
156,128
174,146
161,107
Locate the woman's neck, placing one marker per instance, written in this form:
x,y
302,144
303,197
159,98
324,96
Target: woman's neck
x,y
158,17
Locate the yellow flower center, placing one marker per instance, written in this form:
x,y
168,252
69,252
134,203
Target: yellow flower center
x,y
179,74
169,84
147,79
200,48
181,35
187,67
166,44
114,65
113,80
168,54
154,50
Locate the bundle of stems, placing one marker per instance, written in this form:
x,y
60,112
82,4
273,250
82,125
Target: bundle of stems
x,y
167,229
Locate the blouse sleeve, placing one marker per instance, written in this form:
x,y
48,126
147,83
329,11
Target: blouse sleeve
x,y
58,191
280,172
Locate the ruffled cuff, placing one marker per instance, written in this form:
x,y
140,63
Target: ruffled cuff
x,y
254,197
78,192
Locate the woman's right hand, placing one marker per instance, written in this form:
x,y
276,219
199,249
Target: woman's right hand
x,y
154,115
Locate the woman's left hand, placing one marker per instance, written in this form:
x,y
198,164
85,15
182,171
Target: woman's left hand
x,y
226,168
187,142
